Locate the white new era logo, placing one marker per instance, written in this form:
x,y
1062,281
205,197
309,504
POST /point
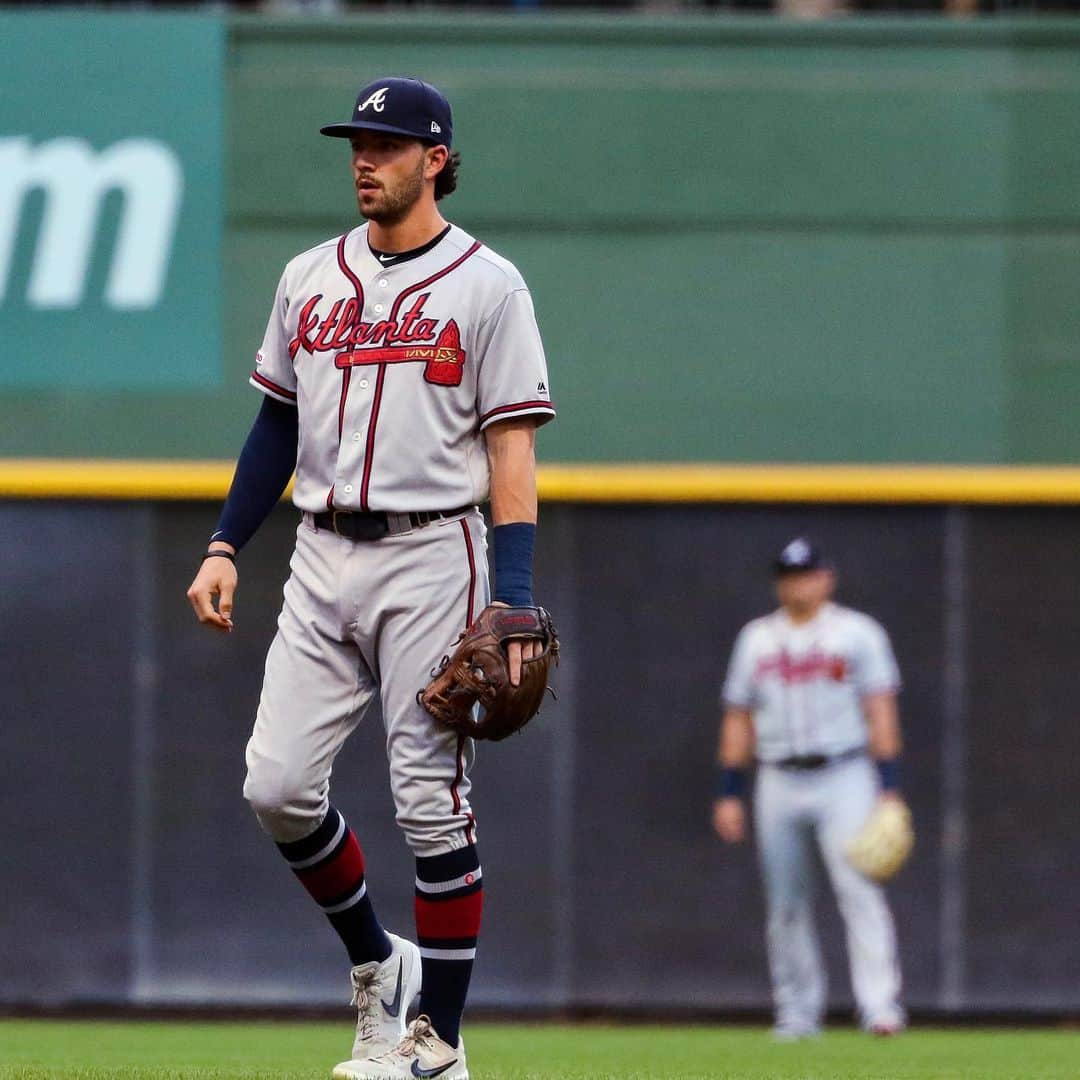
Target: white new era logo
x,y
435,128
377,101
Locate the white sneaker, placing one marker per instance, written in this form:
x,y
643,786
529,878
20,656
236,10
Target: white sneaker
x,y
420,1054
382,994
791,1033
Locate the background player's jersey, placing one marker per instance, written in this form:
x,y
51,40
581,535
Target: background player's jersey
x,y
805,684
397,370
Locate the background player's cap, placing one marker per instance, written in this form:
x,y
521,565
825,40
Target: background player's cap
x,y
402,106
800,554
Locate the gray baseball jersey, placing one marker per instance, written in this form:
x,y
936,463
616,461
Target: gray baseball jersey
x,y
805,683
397,370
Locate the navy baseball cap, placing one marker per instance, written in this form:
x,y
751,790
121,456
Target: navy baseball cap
x,y
798,555
402,106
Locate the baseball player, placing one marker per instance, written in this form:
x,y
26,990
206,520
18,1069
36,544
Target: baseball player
x,y
811,693
403,376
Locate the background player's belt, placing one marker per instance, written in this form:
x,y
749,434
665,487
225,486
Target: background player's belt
x,y
818,761
375,524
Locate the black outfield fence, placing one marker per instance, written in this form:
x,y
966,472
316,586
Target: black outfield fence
x,y
134,872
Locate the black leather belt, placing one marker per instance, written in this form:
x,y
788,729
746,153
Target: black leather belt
x,y
375,524
808,762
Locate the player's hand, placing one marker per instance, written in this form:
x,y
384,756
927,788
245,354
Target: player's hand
x,y
516,651
216,578
729,819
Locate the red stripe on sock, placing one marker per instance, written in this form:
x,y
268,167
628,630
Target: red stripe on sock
x,y
334,878
459,917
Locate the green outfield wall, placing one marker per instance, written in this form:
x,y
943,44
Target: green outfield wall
x,y
747,240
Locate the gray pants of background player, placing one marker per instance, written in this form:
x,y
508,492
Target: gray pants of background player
x,y
793,810
361,618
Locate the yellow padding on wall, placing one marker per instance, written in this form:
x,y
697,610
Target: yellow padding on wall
x,y
1006,484
812,483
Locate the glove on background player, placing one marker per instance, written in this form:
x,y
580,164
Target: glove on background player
x,y
884,843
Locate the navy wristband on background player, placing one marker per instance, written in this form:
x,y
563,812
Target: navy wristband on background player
x,y
730,783
889,771
513,557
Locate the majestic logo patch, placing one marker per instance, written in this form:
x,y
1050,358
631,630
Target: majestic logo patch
x,y
377,101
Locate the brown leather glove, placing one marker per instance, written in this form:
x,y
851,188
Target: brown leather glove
x,y
479,672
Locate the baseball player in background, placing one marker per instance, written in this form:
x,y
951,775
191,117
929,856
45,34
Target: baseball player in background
x,y
811,693
403,377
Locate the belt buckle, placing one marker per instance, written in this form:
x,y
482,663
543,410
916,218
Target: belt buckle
x,y
334,521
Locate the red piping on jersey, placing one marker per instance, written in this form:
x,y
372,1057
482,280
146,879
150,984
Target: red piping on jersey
x,y
262,380
346,376
469,613
517,407
472,570
346,373
358,288
370,449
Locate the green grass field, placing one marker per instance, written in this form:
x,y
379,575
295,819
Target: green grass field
x,y
46,1050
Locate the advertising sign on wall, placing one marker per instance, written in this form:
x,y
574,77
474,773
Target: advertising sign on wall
x,y
110,201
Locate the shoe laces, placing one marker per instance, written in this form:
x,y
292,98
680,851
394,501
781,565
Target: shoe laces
x,y
365,999
420,1033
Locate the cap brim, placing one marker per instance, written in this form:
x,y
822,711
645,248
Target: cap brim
x,y
351,127
781,570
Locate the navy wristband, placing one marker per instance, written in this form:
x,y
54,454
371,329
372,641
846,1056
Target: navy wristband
x,y
730,783
513,558
889,771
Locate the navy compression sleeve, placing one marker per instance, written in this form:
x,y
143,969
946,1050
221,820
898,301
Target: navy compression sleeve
x,y
262,472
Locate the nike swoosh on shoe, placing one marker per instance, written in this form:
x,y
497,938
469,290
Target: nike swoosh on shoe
x,y
394,1007
422,1073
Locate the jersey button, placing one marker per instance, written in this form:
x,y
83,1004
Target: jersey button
x,y
356,436
383,283
378,308
348,489
363,384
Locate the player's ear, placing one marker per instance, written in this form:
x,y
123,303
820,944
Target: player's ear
x,y
434,160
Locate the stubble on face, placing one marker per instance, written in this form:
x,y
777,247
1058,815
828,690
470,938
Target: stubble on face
x,y
391,205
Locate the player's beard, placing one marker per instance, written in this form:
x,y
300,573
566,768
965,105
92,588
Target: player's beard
x,y
394,206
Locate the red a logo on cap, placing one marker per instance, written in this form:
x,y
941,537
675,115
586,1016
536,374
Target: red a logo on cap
x,y
447,366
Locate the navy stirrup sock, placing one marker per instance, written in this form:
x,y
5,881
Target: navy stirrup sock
x,y
330,865
449,902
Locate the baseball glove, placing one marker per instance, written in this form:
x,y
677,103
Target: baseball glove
x,y
884,843
479,672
